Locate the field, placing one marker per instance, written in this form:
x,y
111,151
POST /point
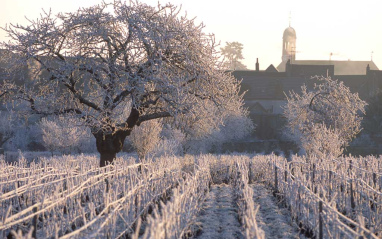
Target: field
x,y
258,196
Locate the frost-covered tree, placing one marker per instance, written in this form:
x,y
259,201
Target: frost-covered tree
x,y
63,133
146,137
171,142
115,66
233,56
235,125
323,121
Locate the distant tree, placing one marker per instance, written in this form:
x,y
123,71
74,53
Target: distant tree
x,y
146,137
171,143
203,135
233,56
63,133
323,121
115,66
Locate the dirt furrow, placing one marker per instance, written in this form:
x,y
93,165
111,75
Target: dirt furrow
x,y
274,220
219,218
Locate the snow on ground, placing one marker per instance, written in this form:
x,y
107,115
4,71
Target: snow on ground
x,y
274,220
219,218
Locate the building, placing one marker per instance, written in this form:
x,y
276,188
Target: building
x,y
265,90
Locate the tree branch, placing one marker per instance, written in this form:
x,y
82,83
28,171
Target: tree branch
x,y
81,98
316,95
6,138
120,97
157,115
4,93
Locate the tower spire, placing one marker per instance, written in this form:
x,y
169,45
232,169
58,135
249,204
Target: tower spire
x,y
290,17
289,43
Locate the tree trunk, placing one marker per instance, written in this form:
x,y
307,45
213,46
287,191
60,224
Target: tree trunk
x,y
109,145
107,158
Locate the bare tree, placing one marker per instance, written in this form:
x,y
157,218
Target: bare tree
x,y
115,66
323,121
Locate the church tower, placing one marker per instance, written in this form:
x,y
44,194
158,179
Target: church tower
x,y
289,45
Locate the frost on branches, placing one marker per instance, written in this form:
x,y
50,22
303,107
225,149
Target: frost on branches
x,y
63,133
203,134
114,66
146,137
323,121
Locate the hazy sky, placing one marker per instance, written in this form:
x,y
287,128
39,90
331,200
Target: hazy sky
x,y
349,29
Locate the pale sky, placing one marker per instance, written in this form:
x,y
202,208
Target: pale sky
x,y
349,29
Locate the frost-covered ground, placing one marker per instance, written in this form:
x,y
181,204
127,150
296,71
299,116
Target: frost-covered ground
x,y
275,221
70,196
219,218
